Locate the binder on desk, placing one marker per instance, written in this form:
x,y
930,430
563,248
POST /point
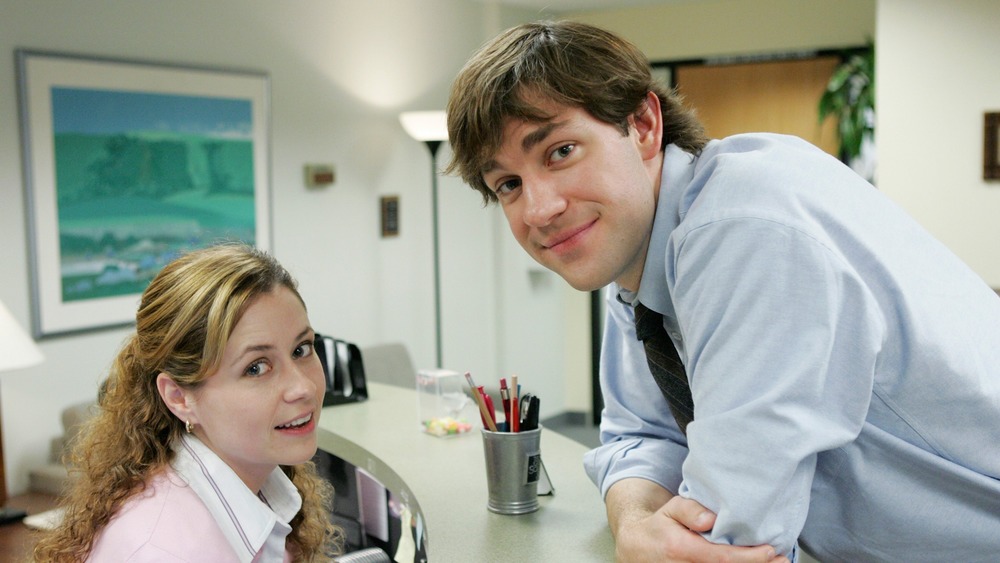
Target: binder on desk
x,y
344,370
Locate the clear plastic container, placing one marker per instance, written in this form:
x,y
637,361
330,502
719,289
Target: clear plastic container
x,y
443,406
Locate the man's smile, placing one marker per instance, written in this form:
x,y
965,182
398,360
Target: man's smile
x,y
563,240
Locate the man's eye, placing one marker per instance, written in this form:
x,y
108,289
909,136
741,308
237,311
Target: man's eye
x,y
508,186
303,350
257,369
562,152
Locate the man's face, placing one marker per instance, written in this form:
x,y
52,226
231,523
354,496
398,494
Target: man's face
x,y
579,196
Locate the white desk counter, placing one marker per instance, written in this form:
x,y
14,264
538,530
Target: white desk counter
x,y
444,479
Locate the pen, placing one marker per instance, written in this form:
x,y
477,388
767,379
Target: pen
x,y
515,425
529,412
505,401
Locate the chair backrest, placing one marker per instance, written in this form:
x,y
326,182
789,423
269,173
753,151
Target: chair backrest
x,y
389,363
73,419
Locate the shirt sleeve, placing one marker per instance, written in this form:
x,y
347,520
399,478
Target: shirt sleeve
x,y
638,434
780,339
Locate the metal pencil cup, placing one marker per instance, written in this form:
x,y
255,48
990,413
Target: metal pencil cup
x,y
513,468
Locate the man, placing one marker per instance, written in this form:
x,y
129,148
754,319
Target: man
x,y
835,375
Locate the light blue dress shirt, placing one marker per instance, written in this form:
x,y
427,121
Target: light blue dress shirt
x,y
844,365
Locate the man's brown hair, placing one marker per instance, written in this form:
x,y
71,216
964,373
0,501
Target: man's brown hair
x,y
569,63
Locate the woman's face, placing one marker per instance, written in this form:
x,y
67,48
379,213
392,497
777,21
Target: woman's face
x,y
261,407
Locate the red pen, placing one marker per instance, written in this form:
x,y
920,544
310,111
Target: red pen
x,y
505,400
514,424
490,411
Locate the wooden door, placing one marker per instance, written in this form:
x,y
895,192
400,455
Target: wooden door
x,y
772,96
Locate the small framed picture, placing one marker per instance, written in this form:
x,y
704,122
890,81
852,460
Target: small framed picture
x,y
991,148
390,215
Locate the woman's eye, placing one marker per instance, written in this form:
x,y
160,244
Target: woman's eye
x,y
562,152
303,350
508,186
257,369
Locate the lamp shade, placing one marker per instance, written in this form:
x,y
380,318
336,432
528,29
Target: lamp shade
x,y
425,125
17,349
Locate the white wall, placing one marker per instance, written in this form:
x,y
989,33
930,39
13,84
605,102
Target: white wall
x,y
340,72
937,74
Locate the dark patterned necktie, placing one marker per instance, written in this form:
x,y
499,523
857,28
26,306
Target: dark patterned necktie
x,y
665,364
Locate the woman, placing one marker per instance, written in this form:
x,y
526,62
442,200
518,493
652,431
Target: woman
x,y
201,448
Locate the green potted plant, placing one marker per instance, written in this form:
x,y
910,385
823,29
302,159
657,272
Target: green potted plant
x,y
850,97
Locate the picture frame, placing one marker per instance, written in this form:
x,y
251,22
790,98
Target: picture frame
x,y
389,216
127,164
991,148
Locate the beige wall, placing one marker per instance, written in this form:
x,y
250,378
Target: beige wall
x,y
711,28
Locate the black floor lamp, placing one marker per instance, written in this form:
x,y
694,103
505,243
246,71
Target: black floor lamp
x,y
17,350
431,127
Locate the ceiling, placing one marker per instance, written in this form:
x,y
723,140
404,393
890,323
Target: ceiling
x,y
586,5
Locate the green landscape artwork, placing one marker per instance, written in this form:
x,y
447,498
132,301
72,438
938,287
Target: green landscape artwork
x,y
142,177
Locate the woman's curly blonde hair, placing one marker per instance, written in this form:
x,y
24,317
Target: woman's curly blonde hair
x,y
183,323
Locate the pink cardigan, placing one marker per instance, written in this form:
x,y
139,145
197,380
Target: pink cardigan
x,y
166,523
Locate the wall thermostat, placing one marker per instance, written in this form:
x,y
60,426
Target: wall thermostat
x,y
319,175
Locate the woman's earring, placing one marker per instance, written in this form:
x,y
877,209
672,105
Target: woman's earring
x,y
188,426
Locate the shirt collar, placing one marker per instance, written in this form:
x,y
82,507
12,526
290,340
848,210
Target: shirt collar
x,y
249,522
678,171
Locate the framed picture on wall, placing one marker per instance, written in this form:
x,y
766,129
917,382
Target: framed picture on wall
x,y
128,164
991,148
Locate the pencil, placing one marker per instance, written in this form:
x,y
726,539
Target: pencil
x,y
505,401
482,404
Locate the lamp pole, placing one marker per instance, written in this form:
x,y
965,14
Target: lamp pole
x,y
433,146
431,128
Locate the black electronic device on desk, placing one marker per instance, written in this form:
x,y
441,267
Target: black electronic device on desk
x,y
344,370
11,515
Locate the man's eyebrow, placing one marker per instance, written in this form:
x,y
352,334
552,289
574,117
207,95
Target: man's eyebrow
x,y
537,136
528,142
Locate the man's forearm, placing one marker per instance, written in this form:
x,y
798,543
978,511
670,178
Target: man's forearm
x,y
651,524
630,500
